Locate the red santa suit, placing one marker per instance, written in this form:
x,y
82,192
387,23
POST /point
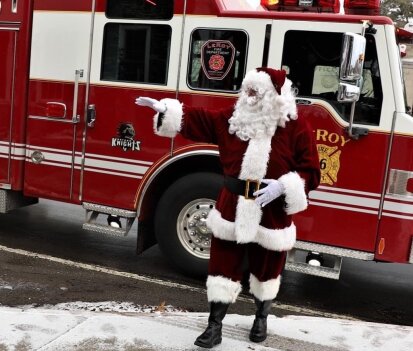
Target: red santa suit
x,y
283,149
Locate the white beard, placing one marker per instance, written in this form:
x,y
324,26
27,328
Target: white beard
x,y
260,115
254,116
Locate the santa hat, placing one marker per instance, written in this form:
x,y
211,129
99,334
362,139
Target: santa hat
x,y
277,77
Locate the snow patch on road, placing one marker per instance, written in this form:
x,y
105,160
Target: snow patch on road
x,y
111,306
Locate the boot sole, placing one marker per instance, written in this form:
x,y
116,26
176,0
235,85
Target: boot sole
x,y
257,339
208,346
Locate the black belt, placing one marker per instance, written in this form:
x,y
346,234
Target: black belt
x,y
245,188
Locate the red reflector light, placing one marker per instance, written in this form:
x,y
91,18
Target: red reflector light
x,y
382,245
362,7
334,4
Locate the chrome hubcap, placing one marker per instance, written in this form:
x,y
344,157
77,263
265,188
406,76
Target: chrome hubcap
x,y
192,231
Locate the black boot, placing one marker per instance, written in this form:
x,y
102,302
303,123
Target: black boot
x,y
259,328
213,333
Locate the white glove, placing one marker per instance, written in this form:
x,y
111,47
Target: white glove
x,y
273,190
152,103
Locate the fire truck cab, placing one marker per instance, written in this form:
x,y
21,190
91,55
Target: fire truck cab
x,y
70,131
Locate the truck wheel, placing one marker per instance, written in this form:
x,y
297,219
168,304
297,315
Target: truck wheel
x,y
180,228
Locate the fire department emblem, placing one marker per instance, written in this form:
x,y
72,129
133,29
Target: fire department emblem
x,y
126,138
329,163
217,58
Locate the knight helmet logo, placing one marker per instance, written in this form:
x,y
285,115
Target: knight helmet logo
x,y
126,131
126,138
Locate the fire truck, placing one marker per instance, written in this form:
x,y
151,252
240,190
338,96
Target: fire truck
x,y
70,131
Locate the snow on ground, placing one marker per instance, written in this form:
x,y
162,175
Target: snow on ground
x,y
112,306
126,326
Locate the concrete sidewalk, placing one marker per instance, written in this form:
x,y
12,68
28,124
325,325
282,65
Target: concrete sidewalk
x,y
26,328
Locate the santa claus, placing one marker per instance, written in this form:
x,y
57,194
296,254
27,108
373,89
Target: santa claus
x,y
270,163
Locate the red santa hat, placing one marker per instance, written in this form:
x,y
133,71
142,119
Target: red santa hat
x,y
277,77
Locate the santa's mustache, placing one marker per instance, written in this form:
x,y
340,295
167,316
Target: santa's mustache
x,y
251,103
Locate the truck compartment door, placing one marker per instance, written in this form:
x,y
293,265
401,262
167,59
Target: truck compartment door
x,y
58,73
135,53
8,38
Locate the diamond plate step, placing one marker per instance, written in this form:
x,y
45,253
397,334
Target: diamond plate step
x,y
333,250
104,229
326,272
109,210
95,223
10,200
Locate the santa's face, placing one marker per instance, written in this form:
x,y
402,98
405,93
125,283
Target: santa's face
x,y
252,94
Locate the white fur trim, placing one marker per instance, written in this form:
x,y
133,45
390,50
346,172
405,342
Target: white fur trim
x,y
271,239
277,239
247,220
171,123
220,227
221,289
254,166
295,196
255,160
264,291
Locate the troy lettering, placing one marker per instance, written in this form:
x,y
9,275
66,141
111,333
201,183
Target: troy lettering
x,y
332,138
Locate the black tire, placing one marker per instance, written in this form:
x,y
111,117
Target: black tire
x,y
182,236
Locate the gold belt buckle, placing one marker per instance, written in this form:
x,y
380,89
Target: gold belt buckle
x,y
247,188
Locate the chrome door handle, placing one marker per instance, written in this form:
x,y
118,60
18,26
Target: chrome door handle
x,y
78,75
91,116
14,6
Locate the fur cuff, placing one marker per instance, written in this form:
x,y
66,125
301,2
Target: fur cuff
x,y
171,123
295,196
264,291
221,289
271,239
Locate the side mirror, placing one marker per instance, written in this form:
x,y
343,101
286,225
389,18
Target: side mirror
x,y
348,92
352,57
351,77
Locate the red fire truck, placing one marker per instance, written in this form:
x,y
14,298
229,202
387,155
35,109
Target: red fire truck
x,y
70,131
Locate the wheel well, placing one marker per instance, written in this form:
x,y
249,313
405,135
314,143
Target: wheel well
x,y
152,195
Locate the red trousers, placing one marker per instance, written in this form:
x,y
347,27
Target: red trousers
x,y
227,258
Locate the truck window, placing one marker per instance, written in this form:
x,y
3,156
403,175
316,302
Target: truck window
x,y
313,67
140,9
137,53
217,59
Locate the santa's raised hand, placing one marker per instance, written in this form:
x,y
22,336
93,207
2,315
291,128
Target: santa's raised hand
x,y
152,103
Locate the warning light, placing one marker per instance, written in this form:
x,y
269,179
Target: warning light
x,y
302,5
269,2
